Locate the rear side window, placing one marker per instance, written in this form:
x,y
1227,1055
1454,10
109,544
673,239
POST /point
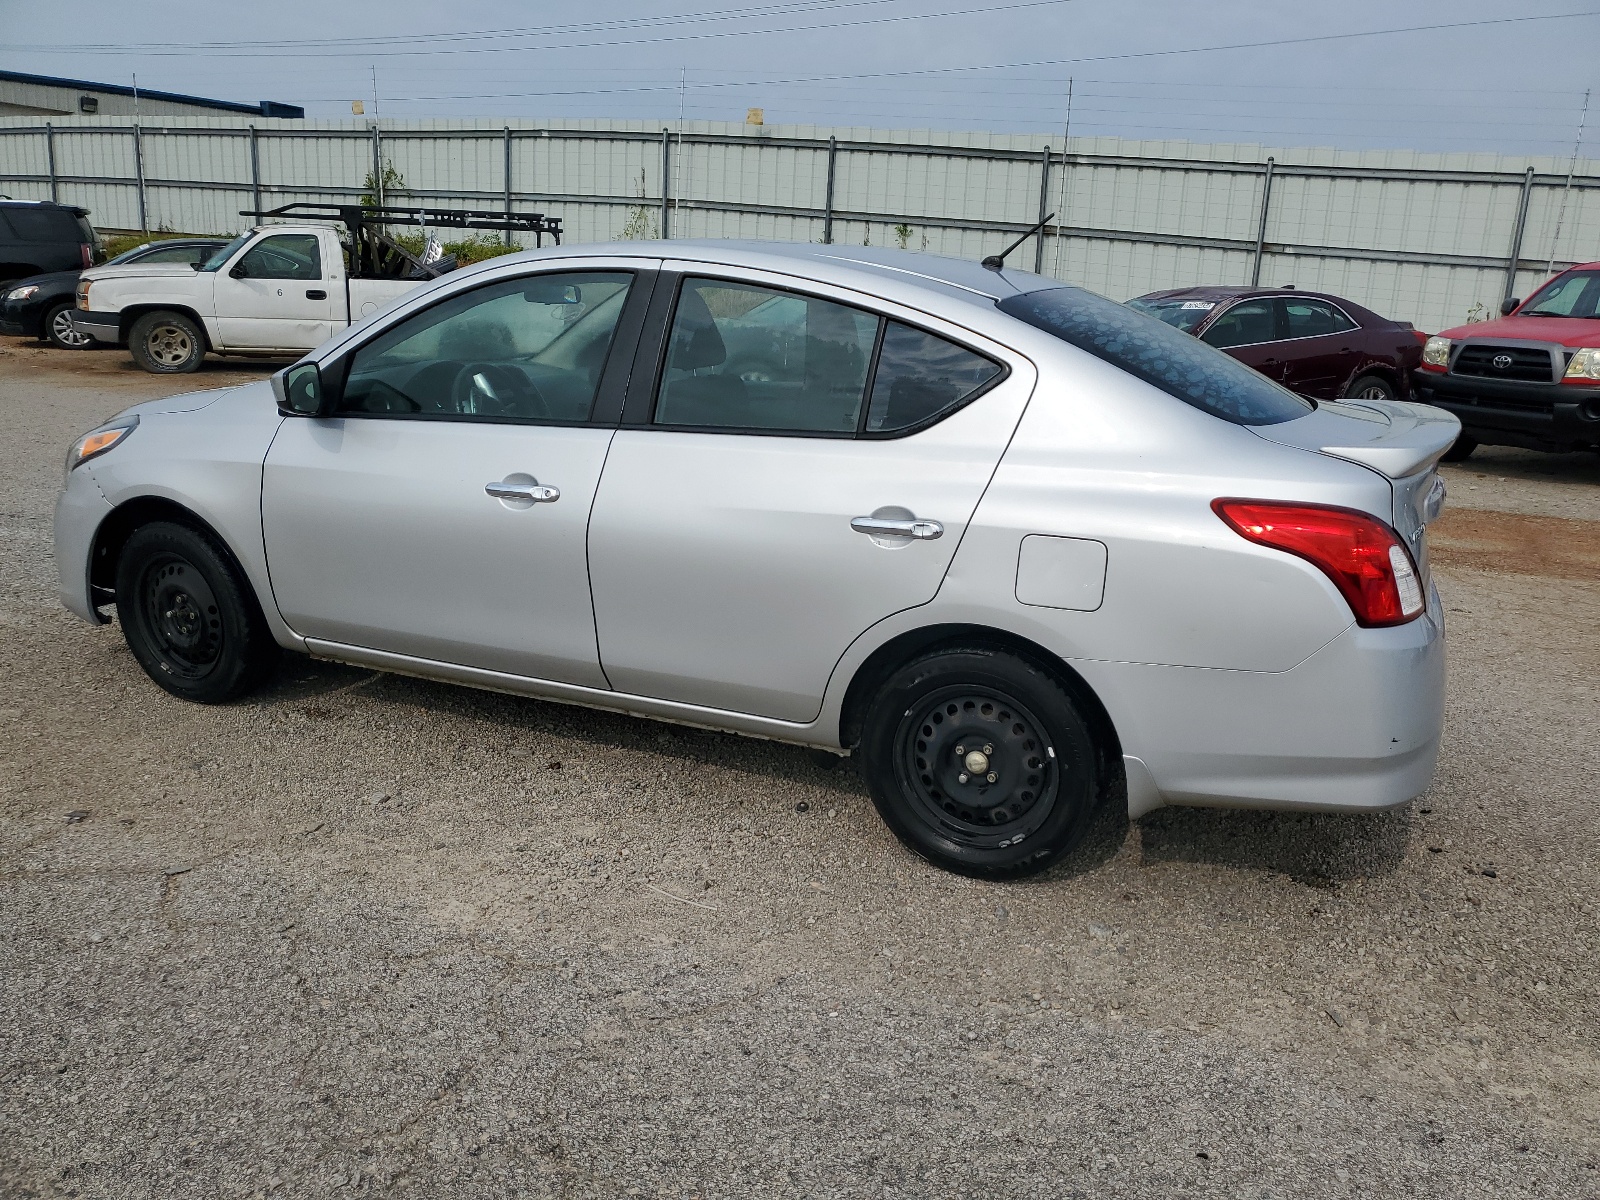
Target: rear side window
x,y
44,224
1314,318
1157,353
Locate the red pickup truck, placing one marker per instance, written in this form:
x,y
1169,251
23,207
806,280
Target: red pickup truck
x,y
1530,378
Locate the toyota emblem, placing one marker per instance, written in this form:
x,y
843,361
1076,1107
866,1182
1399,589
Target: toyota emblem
x,y
1502,361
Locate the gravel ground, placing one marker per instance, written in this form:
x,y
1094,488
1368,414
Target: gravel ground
x,y
366,935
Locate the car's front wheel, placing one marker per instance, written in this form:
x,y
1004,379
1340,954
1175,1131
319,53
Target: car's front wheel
x,y
167,343
981,762
189,614
59,330
1461,449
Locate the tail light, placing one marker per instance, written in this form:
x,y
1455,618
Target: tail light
x,y
88,253
1365,558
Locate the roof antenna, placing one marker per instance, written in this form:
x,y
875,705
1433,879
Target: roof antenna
x,y
997,261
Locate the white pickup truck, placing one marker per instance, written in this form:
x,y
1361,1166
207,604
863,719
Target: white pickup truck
x,y
279,290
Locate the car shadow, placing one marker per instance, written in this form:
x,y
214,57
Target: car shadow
x,y
1510,462
1319,850
1316,849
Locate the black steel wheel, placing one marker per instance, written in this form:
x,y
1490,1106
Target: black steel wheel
x,y
189,615
981,762
59,330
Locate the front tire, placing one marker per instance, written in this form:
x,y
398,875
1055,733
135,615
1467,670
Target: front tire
x,y
981,762
59,330
167,343
1461,449
189,615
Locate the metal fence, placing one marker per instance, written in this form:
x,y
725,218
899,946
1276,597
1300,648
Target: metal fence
x,y
1430,238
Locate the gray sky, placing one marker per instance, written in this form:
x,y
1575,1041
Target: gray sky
x,y
1513,88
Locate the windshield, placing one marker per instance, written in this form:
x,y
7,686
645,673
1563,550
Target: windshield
x,y
221,256
1160,355
1180,314
1575,294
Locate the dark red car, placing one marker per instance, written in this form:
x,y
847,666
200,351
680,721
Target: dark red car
x,y
1317,345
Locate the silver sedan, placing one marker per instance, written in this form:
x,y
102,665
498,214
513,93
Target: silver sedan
x,y
1019,548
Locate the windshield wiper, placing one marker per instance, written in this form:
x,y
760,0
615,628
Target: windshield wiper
x,y
1539,312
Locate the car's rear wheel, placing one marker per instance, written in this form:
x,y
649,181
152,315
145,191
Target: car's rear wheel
x,y
59,330
167,343
189,614
981,762
1461,449
1371,387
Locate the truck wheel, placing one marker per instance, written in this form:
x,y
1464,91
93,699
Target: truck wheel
x,y
167,343
1370,387
189,615
58,330
1462,450
980,762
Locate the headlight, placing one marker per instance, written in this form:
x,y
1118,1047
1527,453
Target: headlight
x,y
83,294
98,441
1436,352
1585,364
22,293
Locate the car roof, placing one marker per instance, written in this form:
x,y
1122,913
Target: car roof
x,y
71,208
890,269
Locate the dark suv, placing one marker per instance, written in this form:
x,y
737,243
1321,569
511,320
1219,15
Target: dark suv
x,y
37,236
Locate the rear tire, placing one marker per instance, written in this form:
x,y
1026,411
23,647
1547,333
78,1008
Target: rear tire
x,y
189,615
980,762
58,330
1461,450
167,343
1371,387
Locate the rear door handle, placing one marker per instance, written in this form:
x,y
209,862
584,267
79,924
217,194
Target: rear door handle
x,y
538,493
921,531
316,294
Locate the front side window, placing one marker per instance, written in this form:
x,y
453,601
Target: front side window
x,y
1314,318
1575,294
526,349
284,256
1148,349
1245,324
742,356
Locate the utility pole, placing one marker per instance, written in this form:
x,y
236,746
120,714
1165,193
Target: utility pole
x,y
1566,192
1061,207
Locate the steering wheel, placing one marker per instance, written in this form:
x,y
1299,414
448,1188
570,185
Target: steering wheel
x,y
495,390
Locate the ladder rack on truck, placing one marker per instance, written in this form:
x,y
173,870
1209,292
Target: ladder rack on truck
x,y
375,255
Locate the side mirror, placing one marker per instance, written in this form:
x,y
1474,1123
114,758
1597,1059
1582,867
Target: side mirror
x,y
299,390
239,270
1509,306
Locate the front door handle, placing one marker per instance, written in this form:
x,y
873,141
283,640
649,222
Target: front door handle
x,y
535,493
921,531
316,294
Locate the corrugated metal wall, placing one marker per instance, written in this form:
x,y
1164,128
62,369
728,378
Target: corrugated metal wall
x,y
1421,237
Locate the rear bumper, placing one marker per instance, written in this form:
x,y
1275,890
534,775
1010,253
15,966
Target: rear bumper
x,y
1355,727
1539,416
101,326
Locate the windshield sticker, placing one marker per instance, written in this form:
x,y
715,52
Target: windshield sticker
x,y
1201,305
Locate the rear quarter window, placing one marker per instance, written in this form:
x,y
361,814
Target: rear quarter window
x,y
1167,358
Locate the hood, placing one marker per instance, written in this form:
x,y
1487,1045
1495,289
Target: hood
x,y
185,402
141,270
1392,438
1563,331
48,279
